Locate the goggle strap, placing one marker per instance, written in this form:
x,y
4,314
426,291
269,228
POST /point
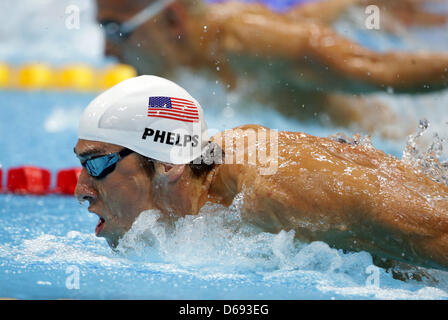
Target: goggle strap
x,y
149,12
125,152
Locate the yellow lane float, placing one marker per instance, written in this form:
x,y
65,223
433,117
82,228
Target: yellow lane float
x,y
116,74
4,75
35,75
76,77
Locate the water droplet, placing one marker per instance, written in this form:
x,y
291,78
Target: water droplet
x,y
423,124
228,112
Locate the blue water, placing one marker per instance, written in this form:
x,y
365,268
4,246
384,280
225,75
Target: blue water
x,y
47,244
212,256
44,238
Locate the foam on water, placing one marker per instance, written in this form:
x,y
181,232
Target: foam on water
x,y
212,255
427,160
63,118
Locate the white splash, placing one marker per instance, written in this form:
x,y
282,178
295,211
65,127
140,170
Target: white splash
x,y
61,119
216,243
427,158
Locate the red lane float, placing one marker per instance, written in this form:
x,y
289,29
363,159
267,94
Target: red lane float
x,y
66,181
28,180
36,181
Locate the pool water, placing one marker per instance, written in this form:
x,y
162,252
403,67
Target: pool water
x,y
48,248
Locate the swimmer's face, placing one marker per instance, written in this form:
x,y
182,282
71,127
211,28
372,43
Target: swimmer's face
x,y
119,197
155,46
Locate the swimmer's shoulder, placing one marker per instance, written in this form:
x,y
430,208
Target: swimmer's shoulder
x,y
261,132
256,128
238,130
251,127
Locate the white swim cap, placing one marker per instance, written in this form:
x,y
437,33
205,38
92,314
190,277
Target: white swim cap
x,y
150,115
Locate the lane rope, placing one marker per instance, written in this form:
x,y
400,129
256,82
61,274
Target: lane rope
x,y
75,77
32,180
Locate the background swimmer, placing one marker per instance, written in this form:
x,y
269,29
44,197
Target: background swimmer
x,y
294,61
351,196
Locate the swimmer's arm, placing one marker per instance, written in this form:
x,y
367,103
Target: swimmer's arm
x,y
326,11
394,212
401,70
379,205
262,33
253,28
352,197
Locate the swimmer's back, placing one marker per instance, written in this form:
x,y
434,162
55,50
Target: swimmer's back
x,y
349,195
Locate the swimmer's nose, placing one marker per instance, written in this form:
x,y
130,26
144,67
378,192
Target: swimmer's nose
x,y
84,189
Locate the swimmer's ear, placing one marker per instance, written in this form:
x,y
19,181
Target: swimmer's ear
x,y
172,172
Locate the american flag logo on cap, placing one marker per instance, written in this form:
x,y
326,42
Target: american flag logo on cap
x,y
173,109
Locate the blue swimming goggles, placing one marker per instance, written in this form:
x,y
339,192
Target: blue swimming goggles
x,y
101,166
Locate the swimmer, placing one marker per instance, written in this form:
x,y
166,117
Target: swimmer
x,y
293,61
226,34
144,144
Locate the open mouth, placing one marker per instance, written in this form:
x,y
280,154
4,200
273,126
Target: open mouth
x,y
99,226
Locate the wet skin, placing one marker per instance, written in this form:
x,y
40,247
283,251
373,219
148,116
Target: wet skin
x,y
120,196
353,197
293,61
300,42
